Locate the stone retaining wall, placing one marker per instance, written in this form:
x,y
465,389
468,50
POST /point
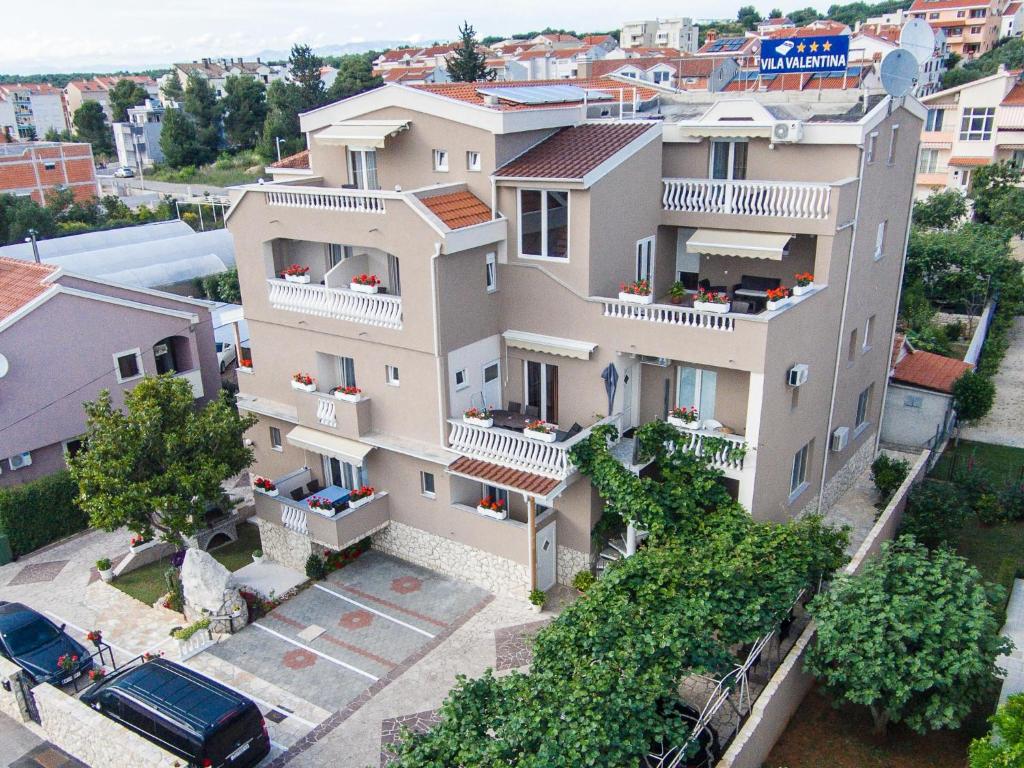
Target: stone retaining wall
x,y
842,480
288,548
571,562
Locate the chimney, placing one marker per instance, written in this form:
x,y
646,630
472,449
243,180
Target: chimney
x,y
206,62
259,60
584,66
711,36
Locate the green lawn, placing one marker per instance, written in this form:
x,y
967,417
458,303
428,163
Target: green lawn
x,y
207,175
147,583
1005,462
986,547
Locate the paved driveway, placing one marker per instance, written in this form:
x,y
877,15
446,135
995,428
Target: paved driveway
x,y
1004,424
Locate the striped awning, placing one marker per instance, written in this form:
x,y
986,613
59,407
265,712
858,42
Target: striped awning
x,y
361,133
340,448
550,345
751,245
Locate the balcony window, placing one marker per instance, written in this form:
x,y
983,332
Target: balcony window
x,y
128,365
978,13
362,168
697,388
544,223
728,160
645,259
335,371
494,494
343,474
929,161
540,389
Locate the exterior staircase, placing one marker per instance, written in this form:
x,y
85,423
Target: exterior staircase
x,y
615,549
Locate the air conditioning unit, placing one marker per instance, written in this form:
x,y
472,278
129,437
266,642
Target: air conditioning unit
x,y
661,362
20,461
840,438
797,375
787,131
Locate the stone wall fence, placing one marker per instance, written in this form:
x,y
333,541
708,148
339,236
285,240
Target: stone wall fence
x,y
789,685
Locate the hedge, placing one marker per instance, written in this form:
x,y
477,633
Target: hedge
x,y
44,510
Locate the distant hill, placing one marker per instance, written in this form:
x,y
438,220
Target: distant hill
x,y
331,50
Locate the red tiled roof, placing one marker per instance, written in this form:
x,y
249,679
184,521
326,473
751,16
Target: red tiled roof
x,y
811,30
573,152
930,371
1011,9
1015,98
20,283
401,74
748,44
397,54
942,5
458,209
970,162
468,91
597,39
684,67
559,38
513,478
298,160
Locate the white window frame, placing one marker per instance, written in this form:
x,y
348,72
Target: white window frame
x,y
138,362
543,404
423,484
645,260
699,386
872,141
544,225
275,444
494,493
731,166
987,115
880,239
935,119
359,154
863,406
931,165
798,473
473,161
491,271
441,160
462,373
869,332
391,376
891,159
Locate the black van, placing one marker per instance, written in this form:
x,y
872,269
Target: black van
x,y
185,713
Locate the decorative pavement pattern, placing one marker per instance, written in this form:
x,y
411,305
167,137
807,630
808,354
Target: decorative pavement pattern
x,y
391,731
38,573
47,755
513,646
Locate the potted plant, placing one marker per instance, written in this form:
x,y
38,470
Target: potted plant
x,y
492,508
480,417
638,292
537,598
296,273
538,430
96,674
303,382
67,663
677,293
777,298
711,301
139,542
264,485
360,496
685,418
257,556
245,364
348,394
106,570
804,283
365,283
320,504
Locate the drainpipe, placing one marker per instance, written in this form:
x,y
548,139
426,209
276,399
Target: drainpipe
x,y
437,344
494,198
531,532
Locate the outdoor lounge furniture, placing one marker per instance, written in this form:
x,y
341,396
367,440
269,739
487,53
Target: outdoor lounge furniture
x,y
313,486
532,412
514,407
574,430
509,420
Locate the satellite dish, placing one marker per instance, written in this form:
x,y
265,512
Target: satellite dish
x,y
919,39
899,72
4,367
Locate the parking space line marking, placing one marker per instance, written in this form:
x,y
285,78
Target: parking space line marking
x,y
375,611
315,652
84,632
393,606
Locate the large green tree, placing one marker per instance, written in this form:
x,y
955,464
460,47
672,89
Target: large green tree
x,y
202,105
91,126
125,94
304,66
245,111
20,214
989,185
914,637
171,89
973,396
158,464
941,210
355,75
467,64
748,17
284,102
179,141
1004,747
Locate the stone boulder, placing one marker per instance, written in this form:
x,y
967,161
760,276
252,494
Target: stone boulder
x,y
204,581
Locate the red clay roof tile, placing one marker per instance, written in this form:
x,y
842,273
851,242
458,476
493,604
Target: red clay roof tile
x,y
573,152
495,473
20,283
458,209
298,160
930,371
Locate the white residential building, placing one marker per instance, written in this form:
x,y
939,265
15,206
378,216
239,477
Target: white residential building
x,y
1012,24
138,139
680,33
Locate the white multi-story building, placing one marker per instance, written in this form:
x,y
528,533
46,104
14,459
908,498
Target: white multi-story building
x,y
138,139
680,33
1012,23
37,107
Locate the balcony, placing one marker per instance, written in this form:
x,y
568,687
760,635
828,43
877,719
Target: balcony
x,y
330,199
336,531
376,309
719,448
341,417
670,314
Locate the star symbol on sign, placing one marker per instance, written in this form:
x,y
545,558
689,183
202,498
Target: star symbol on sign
x,y
826,46
814,47
800,48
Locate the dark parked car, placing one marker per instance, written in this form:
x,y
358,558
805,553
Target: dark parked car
x,y
35,644
185,713
705,753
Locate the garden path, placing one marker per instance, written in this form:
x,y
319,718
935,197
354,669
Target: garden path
x,y
1004,424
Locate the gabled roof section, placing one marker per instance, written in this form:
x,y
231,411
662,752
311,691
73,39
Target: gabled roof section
x,y
1015,98
300,160
22,282
458,209
572,153
929,371
504,477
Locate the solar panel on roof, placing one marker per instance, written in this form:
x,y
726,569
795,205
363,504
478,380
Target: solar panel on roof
x,y
542,94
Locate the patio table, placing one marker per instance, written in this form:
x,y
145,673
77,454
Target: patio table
x,y
509,420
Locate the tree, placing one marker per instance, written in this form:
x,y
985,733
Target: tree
x,y
159,464
973,396
913,637
748,17
171,89
1004,747
179,141
941,210
201,104
91,127
775,13
991,183
1007,210
467,64
284,102
804,16
245,105
305,66
355,75
20,214
935,513
125,94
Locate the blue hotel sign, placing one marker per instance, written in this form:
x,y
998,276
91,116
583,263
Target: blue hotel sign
x,y
805,54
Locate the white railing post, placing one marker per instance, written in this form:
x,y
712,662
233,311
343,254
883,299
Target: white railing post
x,y
358,201
667,314
294,519
325,412
378,309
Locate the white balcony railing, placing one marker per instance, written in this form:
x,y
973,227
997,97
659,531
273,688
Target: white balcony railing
x,y
354,200
722,452
787,199
379,309
325,412
669,314
294,518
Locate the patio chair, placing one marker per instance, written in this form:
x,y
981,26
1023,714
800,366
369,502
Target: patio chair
x,y
532,412
298,494
314,486
514,407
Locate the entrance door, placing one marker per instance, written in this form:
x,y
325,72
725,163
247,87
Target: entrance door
x,y
547,559
491,390
630,392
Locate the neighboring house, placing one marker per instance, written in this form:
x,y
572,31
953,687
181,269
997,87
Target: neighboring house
x,y
552,41
919,401
1012,21
745,50
508,69
968,126
37,107
607,42
871,43
291,168
501,222
432,59
77,92
168,255
679,33
8,122
37,168
138,140
774,24
64,338
217,71
556,63
416,75
896,18
972,27
328,75
687,74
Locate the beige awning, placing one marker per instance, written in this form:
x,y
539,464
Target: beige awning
x,y
730,130
361,133
752,245
551,345
340,448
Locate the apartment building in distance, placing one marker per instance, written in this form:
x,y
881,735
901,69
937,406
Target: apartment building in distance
x,y
35,169
464,245
77,92
217,71
137,140
969,126
679,33
972,27
36,108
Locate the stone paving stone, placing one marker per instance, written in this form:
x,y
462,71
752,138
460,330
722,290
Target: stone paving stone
x,y
513,646
47,755
38,573
391,731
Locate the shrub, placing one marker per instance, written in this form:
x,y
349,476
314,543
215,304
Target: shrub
x,y
888,474
973,395
935,513
316,567
175,591
1012,499
537,597
583,580
989,509
954,330
184,633
37,513
1008,748
103,564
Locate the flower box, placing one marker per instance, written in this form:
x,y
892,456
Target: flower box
x,y
303,387
485,423
296,278
544,437
360,288
133,548
677,422
497,514
361,502
771,306
635,298
800,290
709,306
271,494
349,398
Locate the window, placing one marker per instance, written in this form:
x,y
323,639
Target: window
x,y
494,494
929,161
348,371
892,145
491,269
728,160
391,375
49,165
851,350
975,30
976,123
869,333
644,259
1017,158
872,140
275,439
697,388
961,14
72,447
441,160
362,167
461,379
427,485
540,389
344,474
337,253
798,479
863,404
473,161
978,13
128,365
913,401
661,76
880,239
544,223
933,15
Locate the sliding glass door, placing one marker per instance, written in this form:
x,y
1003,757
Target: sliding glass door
x,y
541,388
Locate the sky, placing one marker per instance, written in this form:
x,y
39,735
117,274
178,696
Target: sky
x,y
69,35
